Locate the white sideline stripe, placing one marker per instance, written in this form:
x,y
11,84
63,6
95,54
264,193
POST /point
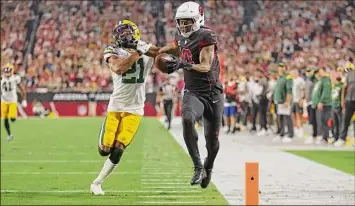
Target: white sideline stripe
x,y
169,203
170,196
164,183
81,173
165,176
169,187
108,191
51,161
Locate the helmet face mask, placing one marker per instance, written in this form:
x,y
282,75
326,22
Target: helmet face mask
x,y
125,31
8,70
186,26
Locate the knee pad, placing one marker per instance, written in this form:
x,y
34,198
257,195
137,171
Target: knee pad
x,y
13,119
103,153
116,155
188,117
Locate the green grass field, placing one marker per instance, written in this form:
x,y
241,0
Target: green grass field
x,y
53,161
340,160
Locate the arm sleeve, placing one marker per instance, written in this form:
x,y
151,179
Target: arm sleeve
x,y
208,38
289,85
114,51
18,79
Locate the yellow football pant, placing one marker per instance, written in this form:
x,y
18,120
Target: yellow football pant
x,y
119,126
8,110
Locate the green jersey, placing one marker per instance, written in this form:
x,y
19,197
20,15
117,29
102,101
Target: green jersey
x,y
282,88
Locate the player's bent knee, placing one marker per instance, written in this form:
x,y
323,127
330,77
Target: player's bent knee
x,y
116,155
103,153
188,117
13,119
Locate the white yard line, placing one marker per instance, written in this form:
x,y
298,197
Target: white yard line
x,y
83,173
168,187
51,161
165,176
107,191
170,196
163,183
163,180
172,202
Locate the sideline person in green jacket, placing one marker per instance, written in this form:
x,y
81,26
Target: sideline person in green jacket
x,y
322,101
282,98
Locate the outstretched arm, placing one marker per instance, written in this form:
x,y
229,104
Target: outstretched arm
x,y
120,65
171,48
21,86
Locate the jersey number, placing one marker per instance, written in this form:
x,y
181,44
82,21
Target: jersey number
x,y
129,78
7,86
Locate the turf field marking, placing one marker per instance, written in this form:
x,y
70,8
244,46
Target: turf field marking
x,y
169,187
170,202
107,191
170,196
51,161
162,180
164,183
80,173
165,176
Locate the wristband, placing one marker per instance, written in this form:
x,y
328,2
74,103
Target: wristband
x,y
143,47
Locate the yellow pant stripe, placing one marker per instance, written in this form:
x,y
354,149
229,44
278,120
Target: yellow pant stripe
x,y
102,132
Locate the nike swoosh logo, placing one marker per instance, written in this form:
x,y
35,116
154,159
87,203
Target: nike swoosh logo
x,y
215,101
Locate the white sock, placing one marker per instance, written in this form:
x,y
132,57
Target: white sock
x,y
106,170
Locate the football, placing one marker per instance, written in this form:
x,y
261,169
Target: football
x,y
160,61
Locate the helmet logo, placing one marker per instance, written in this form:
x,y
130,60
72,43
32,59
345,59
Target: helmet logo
x,y
200,10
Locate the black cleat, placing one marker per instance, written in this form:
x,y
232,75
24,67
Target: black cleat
x,y
198,176
206,179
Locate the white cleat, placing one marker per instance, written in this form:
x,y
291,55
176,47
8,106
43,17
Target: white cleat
x,y
309,140
10,137
287,139
277,139
300,133
339,143
261,133
95,189
319,140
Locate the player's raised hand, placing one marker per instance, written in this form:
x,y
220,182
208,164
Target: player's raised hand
x,y
24,103
168,48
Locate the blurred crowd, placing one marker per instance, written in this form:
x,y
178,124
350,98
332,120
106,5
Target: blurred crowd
x,y
66,51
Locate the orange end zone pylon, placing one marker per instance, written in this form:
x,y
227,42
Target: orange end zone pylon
x,y
251,183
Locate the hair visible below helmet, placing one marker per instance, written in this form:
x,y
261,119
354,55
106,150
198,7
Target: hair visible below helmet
x,y
190,10
125,25
8,68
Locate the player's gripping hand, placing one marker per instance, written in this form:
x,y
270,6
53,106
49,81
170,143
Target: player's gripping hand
x,y
176,63
140,46
24,103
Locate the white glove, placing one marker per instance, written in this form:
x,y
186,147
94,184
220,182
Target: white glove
x,y
24,103
143,47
